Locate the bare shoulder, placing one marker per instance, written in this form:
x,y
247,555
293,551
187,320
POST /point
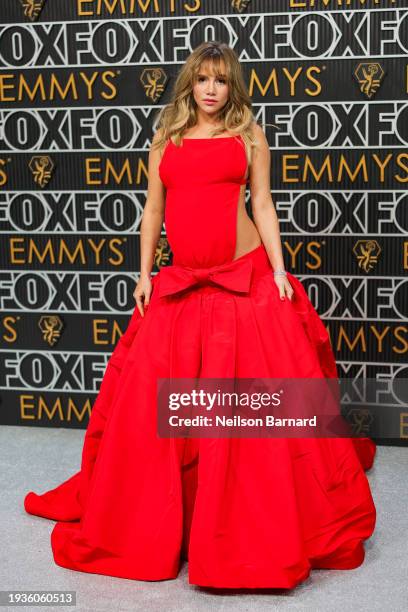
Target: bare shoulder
x,y
259,136
260,151
157,135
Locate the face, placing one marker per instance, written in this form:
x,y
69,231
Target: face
x,y
210,91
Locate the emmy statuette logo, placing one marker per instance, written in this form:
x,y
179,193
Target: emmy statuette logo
x,y
41,167
32,8
360,420
153,81
367,252
369,76
50,326
240,5
162,253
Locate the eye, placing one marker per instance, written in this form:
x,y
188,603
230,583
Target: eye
x,y
202,78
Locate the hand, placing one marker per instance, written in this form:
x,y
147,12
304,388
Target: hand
x,y
284,286
142,293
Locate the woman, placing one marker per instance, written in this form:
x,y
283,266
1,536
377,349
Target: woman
x,y
245,512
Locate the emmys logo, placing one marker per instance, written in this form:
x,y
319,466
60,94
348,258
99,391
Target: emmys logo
x,y
153,81
50,326
32,8
369,77
360,420
41,167
162,253
367,252
240,5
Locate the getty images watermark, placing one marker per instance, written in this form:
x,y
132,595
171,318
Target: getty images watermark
x,y
282,407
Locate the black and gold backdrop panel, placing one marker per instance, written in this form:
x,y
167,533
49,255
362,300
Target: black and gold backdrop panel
x,y
80,83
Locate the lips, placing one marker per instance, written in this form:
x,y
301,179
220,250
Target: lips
x,y
210,101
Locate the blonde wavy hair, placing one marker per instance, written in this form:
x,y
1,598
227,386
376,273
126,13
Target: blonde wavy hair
x,y
180,113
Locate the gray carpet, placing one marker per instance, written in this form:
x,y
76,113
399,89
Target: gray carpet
x,y
38,459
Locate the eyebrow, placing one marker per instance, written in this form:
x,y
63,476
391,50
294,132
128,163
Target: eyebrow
x,y
224,76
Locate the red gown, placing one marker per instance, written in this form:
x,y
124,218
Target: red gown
x,y
245,512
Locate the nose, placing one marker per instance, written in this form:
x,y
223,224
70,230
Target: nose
x,y
210,87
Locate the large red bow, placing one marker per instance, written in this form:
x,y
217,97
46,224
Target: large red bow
x,y
234,275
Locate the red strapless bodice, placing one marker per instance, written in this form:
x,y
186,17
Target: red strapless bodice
x,y
203,178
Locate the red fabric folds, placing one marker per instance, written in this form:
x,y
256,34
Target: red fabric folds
x,y
246,513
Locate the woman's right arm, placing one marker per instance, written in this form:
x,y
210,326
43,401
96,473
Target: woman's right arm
x,y
150,228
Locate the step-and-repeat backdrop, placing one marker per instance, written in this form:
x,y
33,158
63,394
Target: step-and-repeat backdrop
x,y
80,84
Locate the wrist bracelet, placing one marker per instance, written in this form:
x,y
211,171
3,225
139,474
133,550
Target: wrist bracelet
x,y
280,272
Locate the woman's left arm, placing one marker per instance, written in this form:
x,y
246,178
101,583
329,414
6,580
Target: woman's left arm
x,y
264,212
